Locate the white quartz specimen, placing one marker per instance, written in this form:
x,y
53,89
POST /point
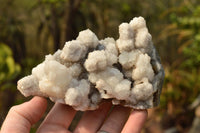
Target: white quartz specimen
x,y
143,68
87,70
73,51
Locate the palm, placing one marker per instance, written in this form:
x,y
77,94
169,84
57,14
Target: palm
x,y
120,119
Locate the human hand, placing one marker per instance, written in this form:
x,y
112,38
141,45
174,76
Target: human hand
x,y
20,118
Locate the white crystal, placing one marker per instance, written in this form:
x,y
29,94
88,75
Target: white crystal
x,y
88,70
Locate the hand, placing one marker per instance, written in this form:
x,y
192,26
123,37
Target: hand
x,y
20,118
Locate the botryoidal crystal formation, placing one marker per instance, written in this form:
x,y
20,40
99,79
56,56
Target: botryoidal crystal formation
x,y
87,70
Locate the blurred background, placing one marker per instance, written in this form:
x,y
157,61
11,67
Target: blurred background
x,y
31,29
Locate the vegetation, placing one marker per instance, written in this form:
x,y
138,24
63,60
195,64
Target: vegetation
x,y
31,29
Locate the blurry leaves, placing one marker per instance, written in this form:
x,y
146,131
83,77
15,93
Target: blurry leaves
x,y
192,54
5,51
184,29
11,32
56,3
52,1
126,8
181,87
182,80
9,70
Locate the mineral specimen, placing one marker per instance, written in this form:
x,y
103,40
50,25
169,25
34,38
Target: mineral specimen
x,y
87,70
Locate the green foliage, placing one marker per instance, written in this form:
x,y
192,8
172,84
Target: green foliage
x,y
9,70
192,53
181,87
52,1
182,81
186,22
192,50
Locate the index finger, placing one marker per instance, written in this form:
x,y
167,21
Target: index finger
x,y
21,117
135,121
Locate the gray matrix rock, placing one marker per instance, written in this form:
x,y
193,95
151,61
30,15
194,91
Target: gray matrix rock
x,y
87,70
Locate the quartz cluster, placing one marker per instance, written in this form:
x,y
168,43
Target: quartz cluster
x,y
87,70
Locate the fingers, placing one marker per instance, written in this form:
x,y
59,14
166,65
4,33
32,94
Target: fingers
x,y
135,121
58,119
92,120
119,120
21,117
116,120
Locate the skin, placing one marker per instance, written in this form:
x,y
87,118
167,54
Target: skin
x,y
21,117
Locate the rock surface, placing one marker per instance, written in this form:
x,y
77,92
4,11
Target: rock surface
x,y
87,70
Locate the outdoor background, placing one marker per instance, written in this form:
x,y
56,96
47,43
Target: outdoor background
x,y
30,29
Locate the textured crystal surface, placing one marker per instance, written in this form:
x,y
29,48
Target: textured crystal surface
x,y
87,70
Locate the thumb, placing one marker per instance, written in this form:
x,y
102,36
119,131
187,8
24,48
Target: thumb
x,y
21,117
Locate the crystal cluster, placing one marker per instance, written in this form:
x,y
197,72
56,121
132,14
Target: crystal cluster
x,y
87,70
